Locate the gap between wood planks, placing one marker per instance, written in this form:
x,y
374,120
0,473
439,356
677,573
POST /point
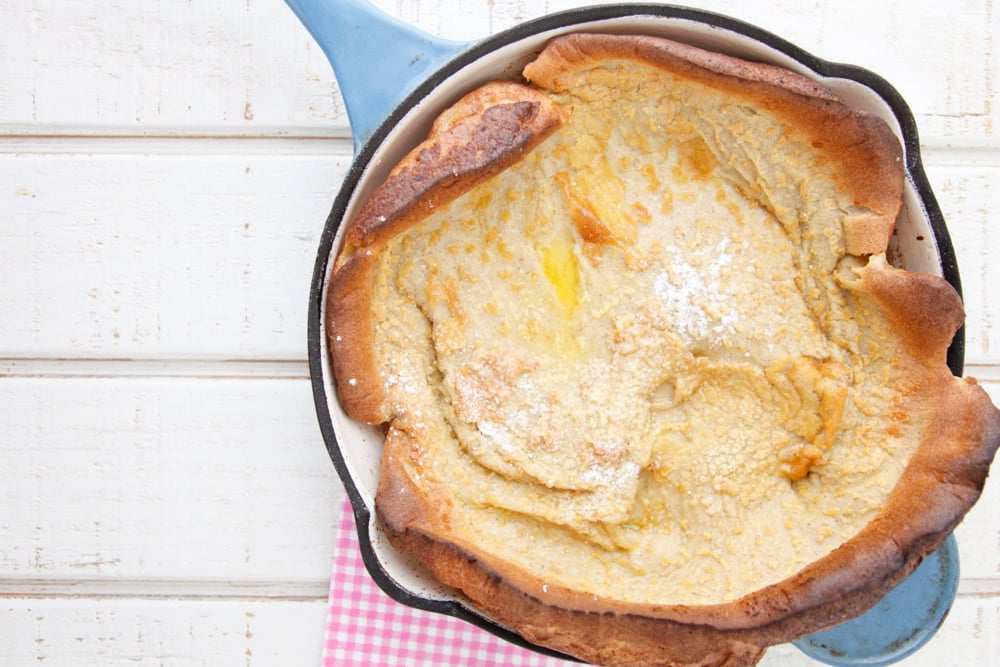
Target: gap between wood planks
x,y
941,151
251,369
277,143
151,589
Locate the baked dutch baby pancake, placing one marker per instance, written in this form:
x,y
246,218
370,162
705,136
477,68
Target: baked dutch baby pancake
x,y
652,391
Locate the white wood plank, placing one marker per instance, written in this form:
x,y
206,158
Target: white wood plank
x,y
152,633
979,541
970,635
201,67
188,255
162,66
164,479
969,201
154,368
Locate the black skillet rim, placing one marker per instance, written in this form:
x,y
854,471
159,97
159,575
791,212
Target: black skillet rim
x,y
317,370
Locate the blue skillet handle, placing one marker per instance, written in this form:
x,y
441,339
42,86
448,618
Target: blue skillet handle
x,y
377,59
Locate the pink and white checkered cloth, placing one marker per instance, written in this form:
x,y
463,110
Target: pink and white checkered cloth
x,y
367,628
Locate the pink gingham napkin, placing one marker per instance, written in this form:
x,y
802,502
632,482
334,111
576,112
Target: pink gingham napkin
x,y
367,628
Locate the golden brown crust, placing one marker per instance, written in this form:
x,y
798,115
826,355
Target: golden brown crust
x,y
350,337
491,129
586,629
925,310
482,134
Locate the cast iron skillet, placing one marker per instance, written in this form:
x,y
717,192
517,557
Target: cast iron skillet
x,y
395,80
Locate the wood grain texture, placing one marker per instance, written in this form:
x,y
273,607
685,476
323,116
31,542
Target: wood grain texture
x,y
116,67
965,187
164,479
160,255
151,633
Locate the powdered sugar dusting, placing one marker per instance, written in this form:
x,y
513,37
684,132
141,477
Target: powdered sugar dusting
x,y
498,433
693,291
612,476
399,382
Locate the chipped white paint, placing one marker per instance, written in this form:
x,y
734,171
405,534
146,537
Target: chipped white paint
x,y
149,632
165,170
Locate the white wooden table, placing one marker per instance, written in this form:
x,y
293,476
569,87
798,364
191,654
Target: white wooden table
x,y
165,170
